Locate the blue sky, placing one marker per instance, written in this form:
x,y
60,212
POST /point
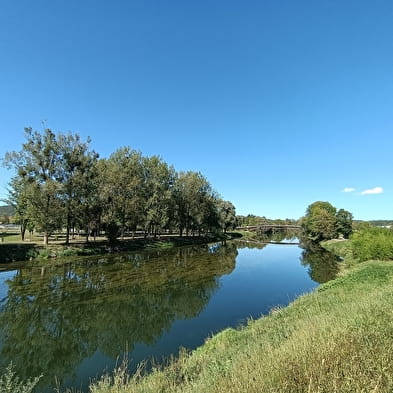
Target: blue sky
x,y
277,103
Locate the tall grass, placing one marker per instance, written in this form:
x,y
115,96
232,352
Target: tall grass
x,y
337,339
10,382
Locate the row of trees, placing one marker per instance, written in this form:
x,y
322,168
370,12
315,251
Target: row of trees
x,y
61,183
323,221
253,220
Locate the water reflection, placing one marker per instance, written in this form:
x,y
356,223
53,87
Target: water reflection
x,y
322,265
55,317
287,236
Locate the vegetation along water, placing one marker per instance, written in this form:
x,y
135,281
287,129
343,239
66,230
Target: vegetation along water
x,y
65,321
72,321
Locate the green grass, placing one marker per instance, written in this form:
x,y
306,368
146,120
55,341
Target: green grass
x,y
336,339
342,248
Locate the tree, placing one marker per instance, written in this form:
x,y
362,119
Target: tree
x,y
194,197
158,187
77,176
344,223
121,189
320,220
227,215
17,198
38,167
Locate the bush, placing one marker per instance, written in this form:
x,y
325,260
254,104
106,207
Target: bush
x,y
10,383
373,243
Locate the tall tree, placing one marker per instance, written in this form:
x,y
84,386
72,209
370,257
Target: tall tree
x,y
227,215
319,222
344,222
193,199
38,166
158,188
17,198
77,175
122,189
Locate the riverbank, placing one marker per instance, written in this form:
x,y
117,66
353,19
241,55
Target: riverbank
x,y
24,251
336,339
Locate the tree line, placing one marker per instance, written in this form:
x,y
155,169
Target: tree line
x,y
61,183
253,220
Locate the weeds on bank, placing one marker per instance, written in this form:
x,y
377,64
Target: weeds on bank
x,y
337,339
10,382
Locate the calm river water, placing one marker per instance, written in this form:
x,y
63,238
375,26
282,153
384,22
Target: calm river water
x,y
73,321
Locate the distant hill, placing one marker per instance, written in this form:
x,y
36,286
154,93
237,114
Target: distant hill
x,y
381,223
7,210
376,223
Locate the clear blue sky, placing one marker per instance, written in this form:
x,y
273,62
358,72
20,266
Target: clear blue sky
x,y
277,103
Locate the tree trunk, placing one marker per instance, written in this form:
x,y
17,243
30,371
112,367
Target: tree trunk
x,y
46,238
23,230
67,240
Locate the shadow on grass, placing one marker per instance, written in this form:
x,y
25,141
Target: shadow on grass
x,y
17,252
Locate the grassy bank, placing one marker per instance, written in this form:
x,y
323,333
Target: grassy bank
x,y
22,251
336,339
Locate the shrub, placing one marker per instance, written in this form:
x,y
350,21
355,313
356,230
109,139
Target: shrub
x,y
373,243
10,383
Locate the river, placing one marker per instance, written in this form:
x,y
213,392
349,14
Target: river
x,y
74,320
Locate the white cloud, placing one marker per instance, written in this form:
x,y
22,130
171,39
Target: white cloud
x,y
375,190
349,189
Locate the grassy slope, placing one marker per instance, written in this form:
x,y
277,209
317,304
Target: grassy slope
x,y
336,339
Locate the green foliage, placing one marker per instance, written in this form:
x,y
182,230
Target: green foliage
x,y
323,222
323,265
44,253
32,253
342,248
78,180
320,221
337,339
253,220
11,383
60,183
344,220
112,231
196,203
105,307
372,243
227,215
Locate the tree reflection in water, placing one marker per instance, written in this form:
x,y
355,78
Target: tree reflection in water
x,y
56,316
323,265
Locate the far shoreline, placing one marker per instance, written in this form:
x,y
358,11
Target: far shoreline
x,y
24,251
